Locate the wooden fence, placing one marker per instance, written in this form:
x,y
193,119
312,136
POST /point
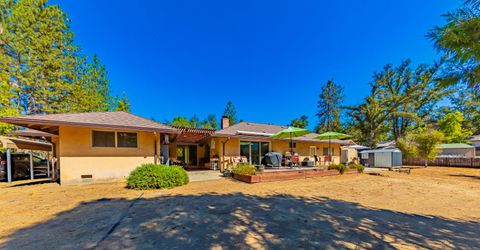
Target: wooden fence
x,y
445,162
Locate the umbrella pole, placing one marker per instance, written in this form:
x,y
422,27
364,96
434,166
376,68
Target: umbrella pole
x,y
330,150
291,149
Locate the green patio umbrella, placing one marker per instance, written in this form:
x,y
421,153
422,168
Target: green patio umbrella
x,y
289,133
332,135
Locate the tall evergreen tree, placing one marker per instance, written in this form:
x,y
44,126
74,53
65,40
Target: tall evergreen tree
x,y
41,70
230,112
37,48
458,39
329,107
91,91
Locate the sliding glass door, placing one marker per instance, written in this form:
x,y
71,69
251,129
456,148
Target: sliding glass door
x,y
187,154
254,151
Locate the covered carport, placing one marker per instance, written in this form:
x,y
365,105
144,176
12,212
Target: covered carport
x,y
29,145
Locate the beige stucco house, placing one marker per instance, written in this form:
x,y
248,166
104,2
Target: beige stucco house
x,y
252,140
99,146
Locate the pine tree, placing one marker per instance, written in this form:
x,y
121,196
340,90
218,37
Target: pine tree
x,y
329,108
458,39
230,112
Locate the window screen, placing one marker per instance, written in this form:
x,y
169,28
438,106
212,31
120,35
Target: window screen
x,y
126,140
103,139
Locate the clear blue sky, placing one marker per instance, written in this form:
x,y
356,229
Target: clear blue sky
x,y
269,57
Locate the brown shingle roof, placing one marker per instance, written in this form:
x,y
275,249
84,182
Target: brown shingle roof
x,y
264,130
110,120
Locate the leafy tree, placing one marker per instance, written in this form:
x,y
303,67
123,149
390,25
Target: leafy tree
x,y
195,121
328,107
468,103
230,112
451,127
301,122
407,145
210,122
427,144
413,91
367,123
6,108
458,40
122,103
181,121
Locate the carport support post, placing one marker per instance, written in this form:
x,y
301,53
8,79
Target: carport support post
x,y
9,165
48,164
31,165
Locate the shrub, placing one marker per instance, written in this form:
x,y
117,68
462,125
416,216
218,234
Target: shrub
x,y
340,167
244,169
153,176
356,166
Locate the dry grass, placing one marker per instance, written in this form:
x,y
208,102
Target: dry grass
x,y
451,194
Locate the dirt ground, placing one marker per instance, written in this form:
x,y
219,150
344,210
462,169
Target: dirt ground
x,y
430,208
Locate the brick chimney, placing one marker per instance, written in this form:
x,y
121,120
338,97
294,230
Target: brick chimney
x,y
225,122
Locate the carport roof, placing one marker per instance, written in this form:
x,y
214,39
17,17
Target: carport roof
x,y
107,120
17,143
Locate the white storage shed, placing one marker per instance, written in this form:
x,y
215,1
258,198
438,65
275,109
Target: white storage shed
x,y
382,157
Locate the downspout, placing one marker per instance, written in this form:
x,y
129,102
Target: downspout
x,y
155,155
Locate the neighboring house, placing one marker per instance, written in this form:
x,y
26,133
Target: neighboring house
x,y
476,143
99,146
456,150
252,140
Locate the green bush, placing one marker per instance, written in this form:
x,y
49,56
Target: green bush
x,y
153,176
356,166
244,169
340,167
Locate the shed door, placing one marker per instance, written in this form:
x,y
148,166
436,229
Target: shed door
x,y
371,159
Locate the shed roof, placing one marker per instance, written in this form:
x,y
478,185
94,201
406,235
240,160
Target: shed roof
x,y
108,120
262,131
474,138
454,145
381,150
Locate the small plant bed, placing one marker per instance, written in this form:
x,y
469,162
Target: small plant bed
x,y
154,176
246,173
292,174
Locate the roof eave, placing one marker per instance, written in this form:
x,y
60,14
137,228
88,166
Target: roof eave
x,y
26,122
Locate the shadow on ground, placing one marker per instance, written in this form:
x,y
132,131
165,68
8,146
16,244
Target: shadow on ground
x,y
475,177
240,221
